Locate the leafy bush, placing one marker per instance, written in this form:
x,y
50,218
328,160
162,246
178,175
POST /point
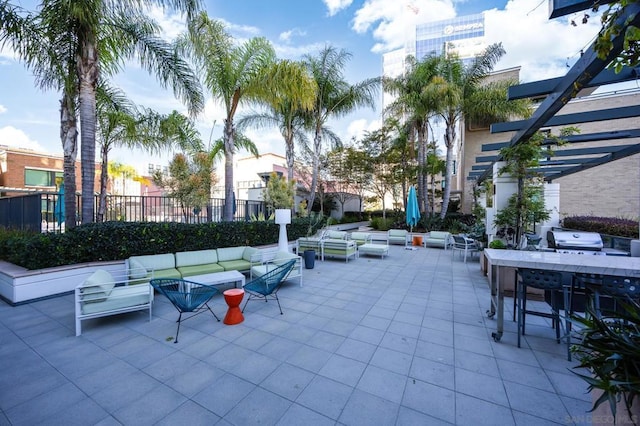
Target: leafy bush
x,y
497,244
120,240
351,217
381,224
603,225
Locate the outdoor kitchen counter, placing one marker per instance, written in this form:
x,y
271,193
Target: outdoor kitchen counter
x,y
562,262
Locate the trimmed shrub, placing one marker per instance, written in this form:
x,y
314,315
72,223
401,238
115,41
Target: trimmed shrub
x,y
603,225
120,240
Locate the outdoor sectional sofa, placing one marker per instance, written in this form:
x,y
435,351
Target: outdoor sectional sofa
x,y
191,263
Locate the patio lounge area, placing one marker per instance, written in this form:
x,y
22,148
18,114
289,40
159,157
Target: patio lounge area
x,y
403,340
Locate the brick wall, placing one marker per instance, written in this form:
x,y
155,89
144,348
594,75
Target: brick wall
x,y
15,161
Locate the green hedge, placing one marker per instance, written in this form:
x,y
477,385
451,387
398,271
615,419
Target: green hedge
x,y
120,240
603,225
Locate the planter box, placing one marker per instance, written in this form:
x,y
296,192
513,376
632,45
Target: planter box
x,y
19,285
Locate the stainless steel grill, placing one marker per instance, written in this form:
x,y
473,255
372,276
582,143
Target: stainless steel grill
x,y
575,242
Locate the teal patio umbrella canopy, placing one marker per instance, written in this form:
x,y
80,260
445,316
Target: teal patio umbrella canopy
x,y
413,212
59,206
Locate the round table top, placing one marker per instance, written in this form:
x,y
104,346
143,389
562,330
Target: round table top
x,y
233,292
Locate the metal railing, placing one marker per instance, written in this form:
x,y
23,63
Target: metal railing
x,y
42,211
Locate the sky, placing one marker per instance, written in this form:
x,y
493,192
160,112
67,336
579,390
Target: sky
x,y
542,48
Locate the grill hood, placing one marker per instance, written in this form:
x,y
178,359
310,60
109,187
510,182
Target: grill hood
x,y
574,240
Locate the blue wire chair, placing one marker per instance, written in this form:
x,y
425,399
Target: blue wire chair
x,y
267,285
185,296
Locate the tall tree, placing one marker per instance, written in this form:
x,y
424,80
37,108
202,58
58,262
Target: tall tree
x,y
49,55
335,97
292,93
416,107
106,33
121,123
464,92
234,74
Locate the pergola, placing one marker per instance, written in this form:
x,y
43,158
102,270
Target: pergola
x,y
587,73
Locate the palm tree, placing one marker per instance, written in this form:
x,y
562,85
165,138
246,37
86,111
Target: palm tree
x,y
335,97
292,94
234,74
416,107
104,34
48,55
121,123
464,93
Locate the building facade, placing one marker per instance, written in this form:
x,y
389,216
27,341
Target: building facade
x,y
23,170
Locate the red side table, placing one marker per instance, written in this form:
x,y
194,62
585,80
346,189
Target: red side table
x,y
417,240
233,297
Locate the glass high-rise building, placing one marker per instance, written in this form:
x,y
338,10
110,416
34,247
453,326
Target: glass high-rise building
x,y
463,35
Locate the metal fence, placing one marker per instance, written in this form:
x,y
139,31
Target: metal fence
x,y
41,211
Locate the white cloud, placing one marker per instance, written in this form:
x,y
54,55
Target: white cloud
x,y
16,138
171,24
541,47
336,6
286,35
286,51
3,109
390,21
357,128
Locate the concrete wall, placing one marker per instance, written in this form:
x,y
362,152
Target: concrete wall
x,y
612,189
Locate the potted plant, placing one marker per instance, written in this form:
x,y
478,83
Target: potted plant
x,y
610,350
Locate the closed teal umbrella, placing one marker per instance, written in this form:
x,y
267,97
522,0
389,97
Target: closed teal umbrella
x,y
413,212
58,211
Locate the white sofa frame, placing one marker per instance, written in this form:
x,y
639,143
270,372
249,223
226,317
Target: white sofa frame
x,y
266,258
123,298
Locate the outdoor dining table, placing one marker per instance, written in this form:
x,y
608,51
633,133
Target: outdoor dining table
x,y
551,261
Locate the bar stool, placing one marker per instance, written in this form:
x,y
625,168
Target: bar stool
x,y
619,288
544,280
588,284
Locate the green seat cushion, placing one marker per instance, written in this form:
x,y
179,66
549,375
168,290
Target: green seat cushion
x,y
188,271
121,297
341,252
167,273
235,265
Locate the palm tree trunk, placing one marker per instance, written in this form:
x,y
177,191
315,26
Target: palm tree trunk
x,y
88,72
422,162
227,214
288,138
314,169
104,175
449,138
69,138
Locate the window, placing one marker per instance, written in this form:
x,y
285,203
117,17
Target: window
x,y
41,177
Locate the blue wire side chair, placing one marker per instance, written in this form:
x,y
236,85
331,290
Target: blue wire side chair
x,y
267,285
186,296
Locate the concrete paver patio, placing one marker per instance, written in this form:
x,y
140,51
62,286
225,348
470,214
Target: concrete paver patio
x,y
402,340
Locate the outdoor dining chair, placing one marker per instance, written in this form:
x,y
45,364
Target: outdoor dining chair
x,y
267,285
185,296
464,245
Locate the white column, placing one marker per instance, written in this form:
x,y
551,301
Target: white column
x,y
504,185
552,203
